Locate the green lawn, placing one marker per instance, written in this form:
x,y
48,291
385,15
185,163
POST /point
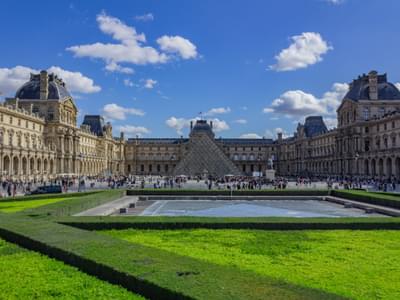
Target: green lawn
x,y
29,275
355,264
19,205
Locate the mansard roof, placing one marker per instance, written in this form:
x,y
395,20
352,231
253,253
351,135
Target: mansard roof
x,y
95,122
158,140
360,87
56,89
243,141
314,125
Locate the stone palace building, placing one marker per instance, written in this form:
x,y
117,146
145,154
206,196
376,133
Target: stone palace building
x,y
39,138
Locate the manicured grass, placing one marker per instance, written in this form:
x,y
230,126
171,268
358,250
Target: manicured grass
x,y
29,275
355,264
19,205
151,272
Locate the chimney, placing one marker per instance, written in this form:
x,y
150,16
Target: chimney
x,y
211,124
44,85
279,136
191,126
373,85
122,135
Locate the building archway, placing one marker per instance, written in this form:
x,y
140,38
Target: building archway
x,y
366,167
373,167
39,165
389,167
15,165
45,165
6,165
51,171
24,166
397,168
31,165
380,167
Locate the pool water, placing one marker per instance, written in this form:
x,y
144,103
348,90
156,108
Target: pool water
x,y
253,208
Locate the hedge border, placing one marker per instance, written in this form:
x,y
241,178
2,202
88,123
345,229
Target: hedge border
x,y
97,226
73,206
100,271
188,192
368,197
46,196
141,277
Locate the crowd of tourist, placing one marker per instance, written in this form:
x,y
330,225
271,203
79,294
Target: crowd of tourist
x,y
12,188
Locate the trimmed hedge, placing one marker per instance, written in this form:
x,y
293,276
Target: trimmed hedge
x,y
367,197
267,223
187,192
46,196
151,272
73,206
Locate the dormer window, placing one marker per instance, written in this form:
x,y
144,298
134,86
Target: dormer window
x,y
366,113
381,111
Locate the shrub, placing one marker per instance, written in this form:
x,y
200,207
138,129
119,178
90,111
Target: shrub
x,y
367,197
187,192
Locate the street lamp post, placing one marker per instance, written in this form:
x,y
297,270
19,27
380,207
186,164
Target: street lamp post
x,y
79,171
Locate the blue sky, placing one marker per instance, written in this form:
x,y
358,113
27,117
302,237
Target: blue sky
x,y
254,67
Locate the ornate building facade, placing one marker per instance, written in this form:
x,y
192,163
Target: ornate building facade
x,y
366,142
39,138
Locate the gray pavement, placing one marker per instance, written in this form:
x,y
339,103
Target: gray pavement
x,y
109,208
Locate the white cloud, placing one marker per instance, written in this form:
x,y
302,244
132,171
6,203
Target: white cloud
x,y
116,112
181,123
179,45
299,103
75,81
330,122
178,124
306,49
272,134
130,47
114,67
244,107
129,50
397,84
13,78
150,83
217,111
145,17
220,125
335,2
240,121
130,130
128,82
250,136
